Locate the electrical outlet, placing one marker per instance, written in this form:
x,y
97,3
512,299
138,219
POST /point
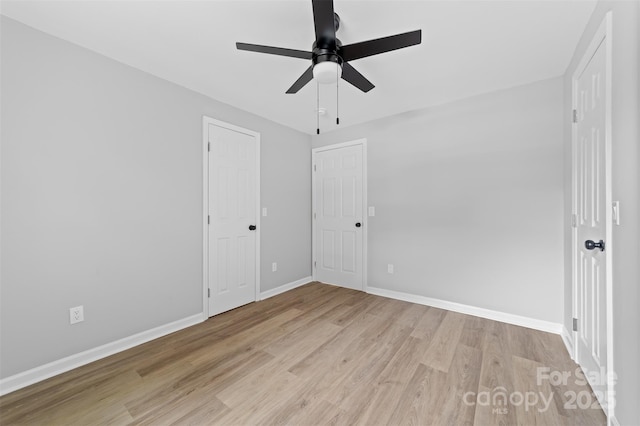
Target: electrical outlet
x,y
76,314
390,268
274,266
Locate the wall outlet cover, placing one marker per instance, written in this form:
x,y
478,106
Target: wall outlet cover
x,y
76,314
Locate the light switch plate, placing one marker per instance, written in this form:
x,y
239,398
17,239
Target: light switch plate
x,y
372,211
616,213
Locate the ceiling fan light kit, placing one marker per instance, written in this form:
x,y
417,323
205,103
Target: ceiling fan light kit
x,y
329,58
327,72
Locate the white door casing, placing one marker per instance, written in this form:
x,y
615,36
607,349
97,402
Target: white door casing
x,y
339,222
231,202
592,216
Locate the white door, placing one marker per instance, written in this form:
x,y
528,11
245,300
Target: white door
x,y
338,215
591,216
232,230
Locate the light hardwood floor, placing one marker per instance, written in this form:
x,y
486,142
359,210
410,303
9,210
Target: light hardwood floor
x,y
321,355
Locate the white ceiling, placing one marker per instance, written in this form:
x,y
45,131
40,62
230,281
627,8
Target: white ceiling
x,y
468,48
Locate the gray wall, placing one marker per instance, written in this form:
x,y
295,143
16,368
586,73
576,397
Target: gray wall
x,y
626,189
468,200
102,199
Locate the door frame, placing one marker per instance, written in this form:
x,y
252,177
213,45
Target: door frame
x,y
206,121
365,215
602,37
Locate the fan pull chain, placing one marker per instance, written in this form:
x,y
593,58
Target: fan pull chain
x,y
337,103
317,108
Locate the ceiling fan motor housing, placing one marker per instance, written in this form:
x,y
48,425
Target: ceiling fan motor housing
x,y
326,55
327,64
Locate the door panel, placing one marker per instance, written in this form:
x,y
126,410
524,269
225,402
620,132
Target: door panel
x,y
338,206
591,224
349,242
232,208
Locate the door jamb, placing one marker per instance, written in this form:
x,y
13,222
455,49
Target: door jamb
x,y
206,121
602,35
365,215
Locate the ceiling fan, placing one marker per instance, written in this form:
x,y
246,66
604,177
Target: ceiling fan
x,y
329,58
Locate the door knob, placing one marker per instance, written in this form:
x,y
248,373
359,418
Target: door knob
x,y
590,245
252,227
358,224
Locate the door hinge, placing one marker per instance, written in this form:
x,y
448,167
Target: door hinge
x,y
209,146
314,215
574,220
314,167
314,264
208,220
575,324
208,292
575,116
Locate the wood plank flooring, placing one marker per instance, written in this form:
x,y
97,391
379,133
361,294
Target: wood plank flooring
x,y
322,355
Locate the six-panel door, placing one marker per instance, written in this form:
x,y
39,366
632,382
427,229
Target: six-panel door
x,y
232,207
338,219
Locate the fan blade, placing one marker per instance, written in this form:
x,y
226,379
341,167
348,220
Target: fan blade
x,y
354,51
274,50
306,77
350,75
323,19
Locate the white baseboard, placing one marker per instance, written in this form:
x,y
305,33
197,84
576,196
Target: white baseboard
x,y
614,421
285,287
536,324
29,377
567,338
